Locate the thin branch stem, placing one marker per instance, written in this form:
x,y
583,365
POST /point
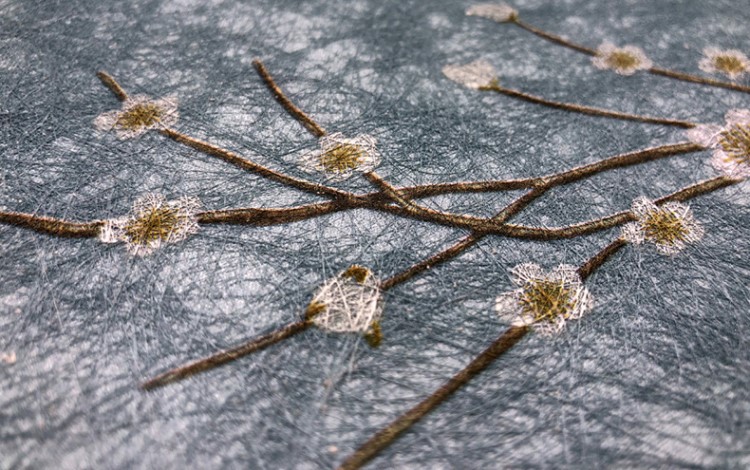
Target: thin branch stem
x,y
593,263
313,127
614,220
673,74
260,170
686,77
379,201
589,110
462,245
388,434
393,193
559,40
226,356
273,216
52,226
233,158
112,84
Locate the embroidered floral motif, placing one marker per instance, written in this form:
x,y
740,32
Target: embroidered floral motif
x,y
350,302
339,157
623,60
545,300
474,75
731,143
670,226
138,115
153,221
500,12
730,62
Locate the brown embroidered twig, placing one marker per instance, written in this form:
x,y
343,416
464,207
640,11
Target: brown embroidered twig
x,y
226,356
589,110
593,263
260,170
313,127
112,84
231,157
388,434
379,201
346,156
52,226
652,70
586,228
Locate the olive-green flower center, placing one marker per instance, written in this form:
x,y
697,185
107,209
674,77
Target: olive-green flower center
x,y
139,116
546,300
357,273
729,64
621,60
155,224
342,158
735,142
663,227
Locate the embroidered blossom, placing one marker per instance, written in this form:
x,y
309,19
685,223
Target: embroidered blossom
x,y
670,226
350,302
545,300
152,222
731,143
730,62
500,12
623,60
338,157
137,115
474,75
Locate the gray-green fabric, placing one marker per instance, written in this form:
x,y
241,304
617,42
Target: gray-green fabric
x,y
657,375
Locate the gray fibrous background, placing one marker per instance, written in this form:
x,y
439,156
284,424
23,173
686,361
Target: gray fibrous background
x,y
657,375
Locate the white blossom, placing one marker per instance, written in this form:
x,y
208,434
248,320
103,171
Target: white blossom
x,y
624,60
350,302
731,62
474,75
670,226
500,12
137,115
153,221
339,157
545,300
731,143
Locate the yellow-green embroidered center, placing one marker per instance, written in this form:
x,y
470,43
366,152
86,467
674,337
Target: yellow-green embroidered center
x,y
358,273
735,142
342,158
664,227
728,64
156,224
620,60
546,300
139,116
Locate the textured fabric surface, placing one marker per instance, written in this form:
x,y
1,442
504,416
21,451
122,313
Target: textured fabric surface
x,y
656,375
